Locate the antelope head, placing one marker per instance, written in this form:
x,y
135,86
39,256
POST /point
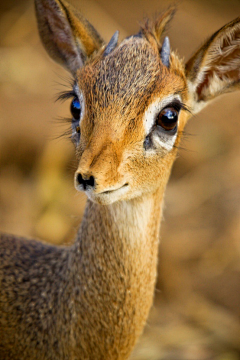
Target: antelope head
x,y
131,101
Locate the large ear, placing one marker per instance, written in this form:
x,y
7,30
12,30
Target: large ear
x,y
215,68
67,36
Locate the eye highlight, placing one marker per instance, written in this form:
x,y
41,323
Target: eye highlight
x,y
75,109
76,114
167,118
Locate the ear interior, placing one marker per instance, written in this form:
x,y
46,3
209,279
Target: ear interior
x,y
215,68
67,36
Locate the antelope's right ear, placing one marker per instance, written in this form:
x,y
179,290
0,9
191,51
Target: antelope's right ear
x,y
215,68
67,36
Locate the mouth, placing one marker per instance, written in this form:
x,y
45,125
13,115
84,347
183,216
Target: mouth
x,y
113,190
109,196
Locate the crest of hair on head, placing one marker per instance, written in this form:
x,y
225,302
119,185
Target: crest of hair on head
x,y
154,29
158,26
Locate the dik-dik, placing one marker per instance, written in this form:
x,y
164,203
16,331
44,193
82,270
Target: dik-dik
x,y
130,104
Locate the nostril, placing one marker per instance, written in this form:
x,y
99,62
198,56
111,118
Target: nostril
x,y
86,182
91,181
79,179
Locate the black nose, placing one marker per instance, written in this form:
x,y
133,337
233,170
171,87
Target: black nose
x,y
86,182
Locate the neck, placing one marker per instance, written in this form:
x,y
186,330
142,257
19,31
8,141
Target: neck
x,y
116,255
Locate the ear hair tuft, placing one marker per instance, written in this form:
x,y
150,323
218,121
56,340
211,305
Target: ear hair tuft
x,y
112,43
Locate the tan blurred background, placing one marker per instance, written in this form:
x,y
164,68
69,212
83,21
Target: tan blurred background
x,y
196,314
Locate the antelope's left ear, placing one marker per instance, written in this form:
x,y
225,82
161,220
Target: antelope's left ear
x,y
215,68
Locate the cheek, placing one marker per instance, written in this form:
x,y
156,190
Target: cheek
x,y
149,173
144,172
79,151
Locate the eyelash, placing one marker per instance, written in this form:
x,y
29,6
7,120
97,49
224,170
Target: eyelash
x,y
65,95
177,105
72,133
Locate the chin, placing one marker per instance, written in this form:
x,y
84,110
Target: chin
x,y
110,197
102,199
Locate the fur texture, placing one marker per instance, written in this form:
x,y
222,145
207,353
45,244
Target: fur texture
x,y
91,300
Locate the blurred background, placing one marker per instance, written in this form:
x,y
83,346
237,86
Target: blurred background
x,y
196,313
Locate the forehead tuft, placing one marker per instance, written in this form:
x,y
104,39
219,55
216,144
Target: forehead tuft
x,y
122,84
131,70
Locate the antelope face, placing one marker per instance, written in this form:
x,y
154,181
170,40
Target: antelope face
x,y
128,103
128,115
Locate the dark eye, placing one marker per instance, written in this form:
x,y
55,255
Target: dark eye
x,y
167,118
75,109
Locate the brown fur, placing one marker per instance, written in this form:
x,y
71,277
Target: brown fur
x,y
67,36
91,300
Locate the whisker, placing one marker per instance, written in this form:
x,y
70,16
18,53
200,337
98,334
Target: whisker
x,y
66,80
66,134
72,166
185,107
62,120
186,133
181,148
185,136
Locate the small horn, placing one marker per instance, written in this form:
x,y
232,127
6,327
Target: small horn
x,y
165,52
112,43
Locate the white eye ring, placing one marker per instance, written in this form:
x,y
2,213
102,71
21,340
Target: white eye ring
x,y
165,139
